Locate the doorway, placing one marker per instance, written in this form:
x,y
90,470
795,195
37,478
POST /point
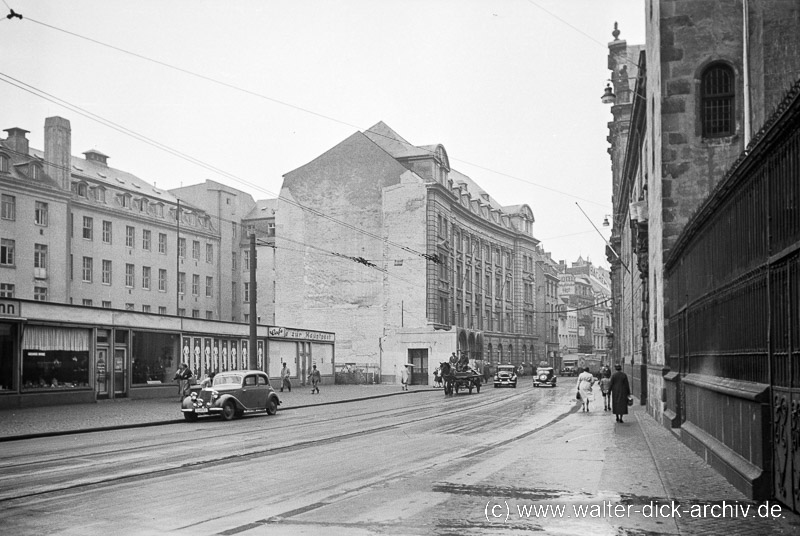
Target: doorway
x,y
419,358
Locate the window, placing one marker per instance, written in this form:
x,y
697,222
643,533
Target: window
x,y
233,261
106,304
181,311
233,293
130,307
8,207
40,293
195,284
106,276
162,243
129,275
106,232
145,308
40,256
87,303
209,287
130,236
246,260
196,249
146,235
182,248
181,283
270,229
88,225
87,269
79,188
100,197
3,163
162,310
246,298
195,313
7,248
40,214
209,315
146,277
717,101
210,253
162,280
6,290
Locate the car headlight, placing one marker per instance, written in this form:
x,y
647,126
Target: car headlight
x,y
214,395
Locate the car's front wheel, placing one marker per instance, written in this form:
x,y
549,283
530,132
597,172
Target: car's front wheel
x,y
272,406
228,410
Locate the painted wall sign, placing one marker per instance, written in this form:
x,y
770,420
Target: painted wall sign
x,y
301,334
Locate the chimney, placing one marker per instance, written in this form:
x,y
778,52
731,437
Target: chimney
x,y
58,150
17,141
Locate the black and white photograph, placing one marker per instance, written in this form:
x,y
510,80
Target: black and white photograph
x,y
400,267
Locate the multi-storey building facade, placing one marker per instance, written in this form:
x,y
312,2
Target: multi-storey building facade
x,y
705,84
411,261
107,282
547,307
89,234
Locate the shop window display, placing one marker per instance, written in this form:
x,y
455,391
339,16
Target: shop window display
x,y
153,360
55,369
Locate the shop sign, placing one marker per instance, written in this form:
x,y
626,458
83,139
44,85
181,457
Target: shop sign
x,y
9,307
286,333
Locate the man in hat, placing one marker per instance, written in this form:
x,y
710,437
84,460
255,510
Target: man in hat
x,y
405,376
183,375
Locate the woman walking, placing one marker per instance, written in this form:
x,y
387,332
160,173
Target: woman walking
x,y
585,382
620,391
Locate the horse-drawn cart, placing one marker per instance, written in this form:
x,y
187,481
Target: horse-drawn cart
x,y
454,380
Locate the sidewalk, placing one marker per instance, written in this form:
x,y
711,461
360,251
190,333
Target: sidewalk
x,y
126,413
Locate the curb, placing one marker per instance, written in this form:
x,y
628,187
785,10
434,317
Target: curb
x,y
58,433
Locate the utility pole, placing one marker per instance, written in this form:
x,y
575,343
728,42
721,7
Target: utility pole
x,y
253,354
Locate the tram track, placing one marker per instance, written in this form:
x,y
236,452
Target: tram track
x,y
136,462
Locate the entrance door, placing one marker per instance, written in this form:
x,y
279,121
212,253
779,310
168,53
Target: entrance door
x,y
120,372
419,358
102,368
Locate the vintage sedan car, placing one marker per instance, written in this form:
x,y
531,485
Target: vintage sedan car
x,y
506,376
232,394
544,376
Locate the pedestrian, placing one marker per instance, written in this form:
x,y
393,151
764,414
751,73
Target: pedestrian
x,y
620,392
585,382
182,376
405,376
209,380
315,377
605,389
285,381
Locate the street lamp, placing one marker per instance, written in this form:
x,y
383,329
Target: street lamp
x,y
608,95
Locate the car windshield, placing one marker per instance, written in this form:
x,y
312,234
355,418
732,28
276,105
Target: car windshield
x,y
228,379
506,369
544,371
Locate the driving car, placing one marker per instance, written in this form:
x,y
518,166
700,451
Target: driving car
x,y
506,376
232,394
544,376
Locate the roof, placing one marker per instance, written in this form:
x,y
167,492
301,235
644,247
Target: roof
x,y
265,208
98,172
393,143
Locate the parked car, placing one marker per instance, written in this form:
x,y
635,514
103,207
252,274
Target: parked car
x,y
232,394
505,376
544,376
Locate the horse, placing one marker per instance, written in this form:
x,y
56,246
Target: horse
x,y
447,377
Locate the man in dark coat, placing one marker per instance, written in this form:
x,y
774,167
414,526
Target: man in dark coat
x,y
620,391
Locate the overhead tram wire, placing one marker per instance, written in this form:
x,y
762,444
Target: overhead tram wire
x,y
299,108
322,251
158,145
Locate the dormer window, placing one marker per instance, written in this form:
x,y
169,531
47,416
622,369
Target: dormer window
x,y
124,200
99,194
4,160
35,171
79,189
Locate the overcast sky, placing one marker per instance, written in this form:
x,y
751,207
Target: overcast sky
x,y
511,88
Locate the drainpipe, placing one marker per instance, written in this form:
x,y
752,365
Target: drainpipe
x,y
746,70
